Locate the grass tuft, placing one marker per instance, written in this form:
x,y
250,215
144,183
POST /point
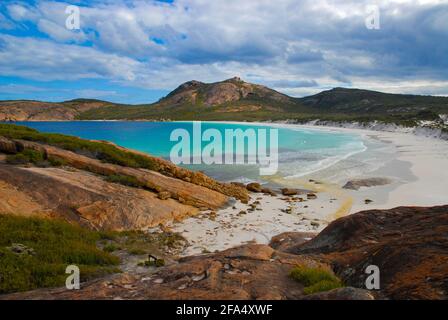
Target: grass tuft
x,y
315,279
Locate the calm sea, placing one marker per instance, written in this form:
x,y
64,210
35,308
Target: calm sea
x,y
302,152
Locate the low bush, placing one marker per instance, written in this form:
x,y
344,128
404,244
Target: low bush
x,y
26,156
315,279
54,245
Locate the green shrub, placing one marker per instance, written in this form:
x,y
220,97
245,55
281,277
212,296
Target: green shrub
x,y
33,155
315,279
321,286
56,245
26,156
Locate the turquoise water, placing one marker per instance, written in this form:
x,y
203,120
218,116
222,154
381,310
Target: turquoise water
x,y
302,152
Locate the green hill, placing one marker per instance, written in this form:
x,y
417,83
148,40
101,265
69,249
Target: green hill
x,y
236,100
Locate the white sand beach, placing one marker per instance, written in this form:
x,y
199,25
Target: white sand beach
x,y
417,168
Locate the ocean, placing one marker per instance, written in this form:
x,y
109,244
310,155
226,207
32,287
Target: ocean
x,y
302,152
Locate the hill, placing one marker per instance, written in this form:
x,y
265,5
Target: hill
x,y
237,100
342,100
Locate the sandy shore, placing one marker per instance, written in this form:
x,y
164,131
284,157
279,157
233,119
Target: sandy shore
x,y
237,224
416,167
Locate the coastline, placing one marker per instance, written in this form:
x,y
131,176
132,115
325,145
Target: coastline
x,y
268,230
416,165
411,163
408,165
413,166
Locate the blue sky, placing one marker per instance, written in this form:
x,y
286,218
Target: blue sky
x,y
136,51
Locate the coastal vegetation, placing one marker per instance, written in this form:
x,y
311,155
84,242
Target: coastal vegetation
x,y
26,156
34,253
99,150
315,279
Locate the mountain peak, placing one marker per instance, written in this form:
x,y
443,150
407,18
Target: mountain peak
x,y
234,79
232,90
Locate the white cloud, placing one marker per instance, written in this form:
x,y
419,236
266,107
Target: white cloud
x,y
41,59
152,44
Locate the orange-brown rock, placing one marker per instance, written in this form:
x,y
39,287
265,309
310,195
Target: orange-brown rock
x,y
191,193
289,192
408,244
247,272
231,90
7,146
254,187
84,198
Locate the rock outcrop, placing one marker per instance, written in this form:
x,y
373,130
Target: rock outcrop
x,y
408,244
247,272
228,91
356,184
84,198
80,192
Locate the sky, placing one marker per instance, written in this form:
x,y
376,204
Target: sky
x,y
136,51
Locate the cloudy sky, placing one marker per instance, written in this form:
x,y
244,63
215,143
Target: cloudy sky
x,y
135,51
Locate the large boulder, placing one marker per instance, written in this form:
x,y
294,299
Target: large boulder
x,y
254,187
408,244
356,184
